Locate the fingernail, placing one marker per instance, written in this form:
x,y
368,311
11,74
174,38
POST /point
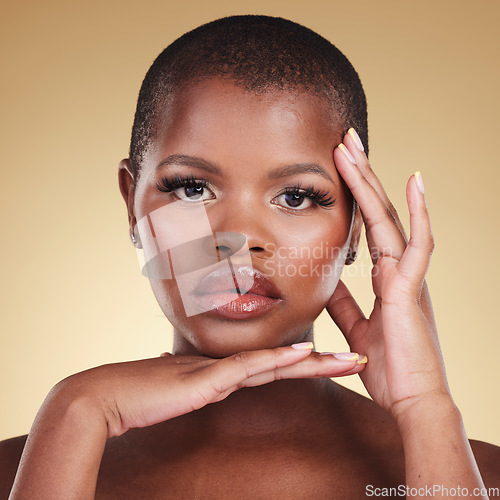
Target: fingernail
x,y
303,346
362,360
164,354
420,182
356,139
347,153
347,356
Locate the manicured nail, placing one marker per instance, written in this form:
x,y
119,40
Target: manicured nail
x,y
347,356
362,360
356,139
347,153
420,182
303,346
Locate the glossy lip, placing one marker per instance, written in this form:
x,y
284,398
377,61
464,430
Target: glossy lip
x,y
217,293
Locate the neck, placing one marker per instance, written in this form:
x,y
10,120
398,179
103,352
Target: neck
x,y
281,407
275,414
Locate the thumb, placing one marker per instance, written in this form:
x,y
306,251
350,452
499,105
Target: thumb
x,y
344,310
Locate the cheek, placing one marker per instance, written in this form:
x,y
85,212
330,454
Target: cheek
x,y
310,265
167,296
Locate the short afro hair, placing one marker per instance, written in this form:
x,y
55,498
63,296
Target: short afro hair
x,y
261,54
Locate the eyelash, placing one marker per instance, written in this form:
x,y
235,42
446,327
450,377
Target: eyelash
x,y
167,186
321,198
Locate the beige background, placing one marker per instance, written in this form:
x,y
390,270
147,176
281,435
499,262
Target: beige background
x,y
72,296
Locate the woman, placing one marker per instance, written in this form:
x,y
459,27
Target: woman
x,y
248,150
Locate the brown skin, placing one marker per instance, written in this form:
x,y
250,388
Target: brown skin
x,y
298,438
278,129
336,462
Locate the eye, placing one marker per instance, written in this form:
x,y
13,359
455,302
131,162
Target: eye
x,y
294,200
193,193
298,199
186,188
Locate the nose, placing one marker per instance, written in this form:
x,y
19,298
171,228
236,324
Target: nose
x,y
229,243
240,231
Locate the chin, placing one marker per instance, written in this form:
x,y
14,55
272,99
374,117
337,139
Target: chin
x,y
212,336
235,327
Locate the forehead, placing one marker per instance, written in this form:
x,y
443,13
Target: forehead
x,y
218,117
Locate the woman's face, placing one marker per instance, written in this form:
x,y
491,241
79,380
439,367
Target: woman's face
x,y
261,166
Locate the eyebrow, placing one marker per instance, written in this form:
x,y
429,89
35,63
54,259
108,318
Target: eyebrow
x,y
191,161
299,168
278,173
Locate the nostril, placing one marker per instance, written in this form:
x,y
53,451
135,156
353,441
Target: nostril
x,y
229,243
223,249
256,249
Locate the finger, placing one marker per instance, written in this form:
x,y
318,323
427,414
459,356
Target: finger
x,y
357,369
223,377
383,236
345,311
315,366
416,259
329,365
355,146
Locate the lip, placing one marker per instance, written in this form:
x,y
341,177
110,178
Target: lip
x,y
240,293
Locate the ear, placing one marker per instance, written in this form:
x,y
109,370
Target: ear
x,y
355,236
127,189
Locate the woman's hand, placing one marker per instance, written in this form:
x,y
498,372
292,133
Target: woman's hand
x,y
405,372
405,364
146,392
64,449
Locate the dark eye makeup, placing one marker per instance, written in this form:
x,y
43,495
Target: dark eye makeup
x,y
168,185
294,196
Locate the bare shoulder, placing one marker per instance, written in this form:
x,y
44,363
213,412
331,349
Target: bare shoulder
x,y
10,454
488,460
